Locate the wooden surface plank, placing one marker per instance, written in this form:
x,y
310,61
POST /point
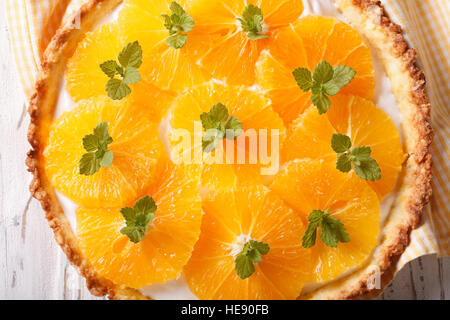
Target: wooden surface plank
x,y
32,266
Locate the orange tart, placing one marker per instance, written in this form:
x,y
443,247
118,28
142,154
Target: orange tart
x,y
206,149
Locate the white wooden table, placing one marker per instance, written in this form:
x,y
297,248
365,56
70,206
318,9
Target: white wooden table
x,y
32,266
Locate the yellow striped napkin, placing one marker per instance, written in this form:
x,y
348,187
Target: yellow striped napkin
x,y
426,24
32,24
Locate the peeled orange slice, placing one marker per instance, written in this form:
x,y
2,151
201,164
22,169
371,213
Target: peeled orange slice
x,y
85,79
169,240
136,147
261,125
305,43
165,67
232,55
307,185
365,124
233,217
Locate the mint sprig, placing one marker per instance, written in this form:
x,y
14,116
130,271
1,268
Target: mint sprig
x,y
178,24
251,22
97,155
323,82
218,124
130,59
138,218
364,165
332,230
250,254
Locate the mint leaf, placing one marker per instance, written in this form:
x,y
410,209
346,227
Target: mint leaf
x,y
309,238
97,155
90,142
219,112
218,124
250,254
323,72
339,229
323,82
322,102
186,23
101,132
107,159
208,122
130,58
176,9
89,164
344,162
332,230
117,89
304,78
168,23
131,75
251,22
178,23
177,41
109,68
362,153
364,166
138,218
131,55
144,205
261,247
340,143
368,169
210,139
244,266
233,128
342,76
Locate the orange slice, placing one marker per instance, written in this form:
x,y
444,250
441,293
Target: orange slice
x,y
232,217
169,240
365,124
260,123
307,185
232,55
305,43
85,79
136,147
163,66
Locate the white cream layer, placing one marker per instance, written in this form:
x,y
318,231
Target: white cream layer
x,y
384,98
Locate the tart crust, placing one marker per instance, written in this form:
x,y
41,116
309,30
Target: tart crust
x,y
414,191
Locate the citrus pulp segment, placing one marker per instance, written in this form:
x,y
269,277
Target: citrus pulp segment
x,y
219,178
137,150
169,240
309,137
307,185
233,217
232,54
305,43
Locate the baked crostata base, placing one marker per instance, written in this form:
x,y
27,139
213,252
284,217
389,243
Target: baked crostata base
x,y
369,18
